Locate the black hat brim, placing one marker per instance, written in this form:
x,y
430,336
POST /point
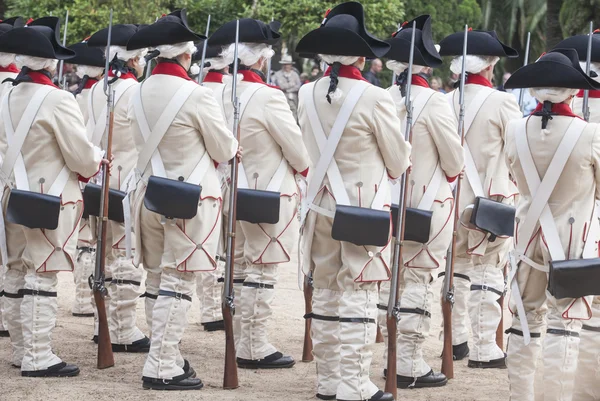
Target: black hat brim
x,y
167,33
120,35
340,42
30,41
425,52
479,43
580,44
86,55
546,73
251,31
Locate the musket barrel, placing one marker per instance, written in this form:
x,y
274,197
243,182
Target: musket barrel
x,y
204,46
588,64
525,62
64,43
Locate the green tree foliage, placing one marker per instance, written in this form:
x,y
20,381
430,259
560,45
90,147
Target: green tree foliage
x,y
576,14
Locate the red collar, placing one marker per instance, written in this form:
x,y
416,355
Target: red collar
x,y
174,69
39,78
251,76
213,77
420,81
90,82
478,80
561,109
348,71
129,75
593,93
9,68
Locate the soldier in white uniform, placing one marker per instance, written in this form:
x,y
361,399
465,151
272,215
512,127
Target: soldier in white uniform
x,y
371,148
122,277
554,157
209,284
440,161
273,148
480,258
191,134
89,62
54,152
8,70
586,378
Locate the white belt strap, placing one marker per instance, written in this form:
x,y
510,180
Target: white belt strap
x,y
539,210
154,136
95,126
419,103
327,146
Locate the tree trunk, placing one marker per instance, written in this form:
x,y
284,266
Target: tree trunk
x,y
2,9
553,28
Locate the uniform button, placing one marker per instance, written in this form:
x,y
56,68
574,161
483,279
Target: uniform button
x,y
199,246
214,205
180,178
359,184
42,180
518,220
442,205
119,168
58,248
289,199
273,239
370,254
378,254
412,182
62,208
199,203
571,220
255,175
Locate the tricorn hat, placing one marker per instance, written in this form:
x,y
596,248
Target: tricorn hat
x,y
479,43
10,23
425,52
85,55
343,33
580,44
559,68
167,30
251,31
120,35
37,39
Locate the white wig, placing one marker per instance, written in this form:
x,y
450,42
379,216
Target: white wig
x,y
90,71
216,63
35,63
248,53
343,60
593,67
399,67
123,54
6,59
177,49
473,64
554,95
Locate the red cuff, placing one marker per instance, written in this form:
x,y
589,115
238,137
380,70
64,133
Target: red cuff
x,y
304,173
390,177
215,163
87,179
452,179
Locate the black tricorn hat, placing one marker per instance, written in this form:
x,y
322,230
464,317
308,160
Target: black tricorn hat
x,y
120,35
167,30
559,68
580,44
10,23
343,33
425,52
479,43
85,55
38,39
251,31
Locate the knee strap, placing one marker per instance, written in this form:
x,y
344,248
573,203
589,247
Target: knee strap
x,y
591,328
173,294
259,285
415,311
382,307
364,320
520,333
1,293
322,317
18,295
565,333
456,275
477,287
38,293
149,295
119,281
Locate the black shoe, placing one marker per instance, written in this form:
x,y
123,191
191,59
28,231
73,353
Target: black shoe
x,y
325,397
182,382
214,326
379,396
431,379
83,314
59,370
4,333
460,351
188,369
95,339
273,361
499,363
142,345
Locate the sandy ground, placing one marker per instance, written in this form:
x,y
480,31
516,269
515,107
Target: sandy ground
x,y
205,351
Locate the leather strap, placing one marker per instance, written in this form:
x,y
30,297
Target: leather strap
x,y
520,333
173,294
322,317
476,287
382,307
119,281
1,293
364,320
415,311
565,333
96,127
38,293
456,275
259,285
149,295
18,295
591,328
237,280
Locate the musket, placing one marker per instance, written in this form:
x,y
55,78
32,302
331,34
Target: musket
x,y
588,63
500,328
448,289
105,354
269,67
522,92
204,46
307,348
149,57
64,43
398,262
230,377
